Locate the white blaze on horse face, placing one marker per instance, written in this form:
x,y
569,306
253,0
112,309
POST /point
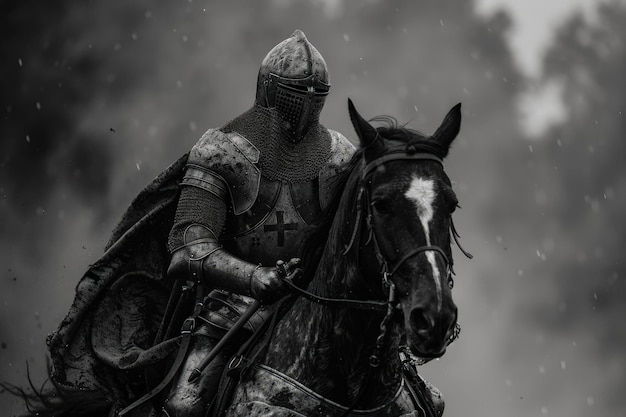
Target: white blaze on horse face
x,y
422,193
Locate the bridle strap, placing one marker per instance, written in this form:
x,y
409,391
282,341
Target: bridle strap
x,y
360,304
366,304
456,237
421,249
398,156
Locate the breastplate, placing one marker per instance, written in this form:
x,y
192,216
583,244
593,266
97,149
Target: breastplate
x,y
271,229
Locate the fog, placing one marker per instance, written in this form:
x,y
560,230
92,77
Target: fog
x,y
98,97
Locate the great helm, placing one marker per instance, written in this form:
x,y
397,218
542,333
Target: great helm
x,y
293,80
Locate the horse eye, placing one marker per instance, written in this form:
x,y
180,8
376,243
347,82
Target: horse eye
x,y
381,206
450,197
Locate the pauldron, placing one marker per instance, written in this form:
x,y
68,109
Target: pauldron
x,y
224,164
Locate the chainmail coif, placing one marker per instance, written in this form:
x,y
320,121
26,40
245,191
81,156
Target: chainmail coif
x,y
280,158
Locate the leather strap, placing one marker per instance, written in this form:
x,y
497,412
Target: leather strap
x,y
240,363
336,302
417,251
186,334
197,372
398,156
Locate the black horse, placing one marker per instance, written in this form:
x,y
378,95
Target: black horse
x,y
379,298
335,351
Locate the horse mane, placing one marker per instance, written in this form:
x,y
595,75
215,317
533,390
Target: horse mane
x,y
332,232
317,234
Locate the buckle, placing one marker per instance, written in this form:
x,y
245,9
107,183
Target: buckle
x,y
237,367
407,363
235,362
197,309
188,325
374,361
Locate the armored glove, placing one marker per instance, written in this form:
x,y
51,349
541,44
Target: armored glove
x,y
266,283
203,259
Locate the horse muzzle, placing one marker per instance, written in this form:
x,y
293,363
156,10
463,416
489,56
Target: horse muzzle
x,y
429,332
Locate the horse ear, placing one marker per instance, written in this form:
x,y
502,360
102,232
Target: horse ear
x,y
450,127
365,131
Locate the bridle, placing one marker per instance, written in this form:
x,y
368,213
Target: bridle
x,y
403,153
363,199
363,206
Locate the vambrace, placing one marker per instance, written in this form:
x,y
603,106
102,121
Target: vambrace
x,y
202,259
197,254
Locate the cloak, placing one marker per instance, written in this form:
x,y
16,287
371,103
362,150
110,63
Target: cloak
x,y
108,336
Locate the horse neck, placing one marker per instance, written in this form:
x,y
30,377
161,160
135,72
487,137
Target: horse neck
x,y
328,348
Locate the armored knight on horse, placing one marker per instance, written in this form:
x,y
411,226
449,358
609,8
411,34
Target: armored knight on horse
x,y
199,245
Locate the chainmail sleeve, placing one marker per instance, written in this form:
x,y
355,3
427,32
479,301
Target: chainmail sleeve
x,y
196,206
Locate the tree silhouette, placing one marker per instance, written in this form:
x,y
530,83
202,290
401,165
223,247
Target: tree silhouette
x,y
581,170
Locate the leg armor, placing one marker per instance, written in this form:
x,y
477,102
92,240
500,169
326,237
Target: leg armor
x,y
193,399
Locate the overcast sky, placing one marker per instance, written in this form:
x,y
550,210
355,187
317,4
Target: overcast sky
x,y
102,96
534,25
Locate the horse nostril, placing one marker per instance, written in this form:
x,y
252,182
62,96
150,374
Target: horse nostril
x,y
421,322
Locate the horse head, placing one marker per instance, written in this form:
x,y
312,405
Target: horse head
x,y
406,202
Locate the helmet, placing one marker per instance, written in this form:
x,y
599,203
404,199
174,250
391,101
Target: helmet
x,y
293,80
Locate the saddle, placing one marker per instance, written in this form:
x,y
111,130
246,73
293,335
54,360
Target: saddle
x,y
245,357
414,388
223,311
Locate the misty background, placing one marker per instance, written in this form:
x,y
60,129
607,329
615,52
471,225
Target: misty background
x,y
98,97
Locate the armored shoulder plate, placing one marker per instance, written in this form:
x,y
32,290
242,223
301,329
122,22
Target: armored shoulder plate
x,y
341,153
228,159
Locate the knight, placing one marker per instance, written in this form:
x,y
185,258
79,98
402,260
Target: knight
x,y
248,189
216,221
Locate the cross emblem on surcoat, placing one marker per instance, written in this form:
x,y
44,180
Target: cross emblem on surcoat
x,y
280,227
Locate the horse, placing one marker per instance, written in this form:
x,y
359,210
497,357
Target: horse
x,y
380,271
379,268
